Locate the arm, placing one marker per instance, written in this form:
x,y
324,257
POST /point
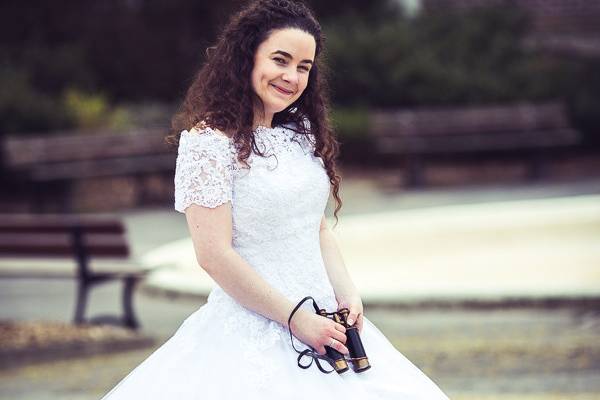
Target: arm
x,y
211,231
346,292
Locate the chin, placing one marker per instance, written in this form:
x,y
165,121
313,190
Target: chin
x,y
278,107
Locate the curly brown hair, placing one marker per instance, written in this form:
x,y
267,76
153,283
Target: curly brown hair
x,y
221,95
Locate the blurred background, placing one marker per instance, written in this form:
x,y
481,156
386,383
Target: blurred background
x,y
470,161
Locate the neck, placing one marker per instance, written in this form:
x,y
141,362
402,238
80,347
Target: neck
x,y
262,118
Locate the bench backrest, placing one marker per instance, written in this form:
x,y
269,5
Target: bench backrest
x,y
62,236
471,120
21,152
470,129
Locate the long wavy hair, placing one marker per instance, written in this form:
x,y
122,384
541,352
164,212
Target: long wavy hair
x,y
221,94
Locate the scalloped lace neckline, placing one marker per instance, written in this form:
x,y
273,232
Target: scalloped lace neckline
x,y
260,130
265,130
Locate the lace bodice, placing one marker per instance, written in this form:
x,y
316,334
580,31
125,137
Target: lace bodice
x,y
277,204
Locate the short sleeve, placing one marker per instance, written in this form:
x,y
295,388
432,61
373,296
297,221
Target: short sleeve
x,y
203,171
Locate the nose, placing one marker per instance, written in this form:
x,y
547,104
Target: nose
x,y
290,76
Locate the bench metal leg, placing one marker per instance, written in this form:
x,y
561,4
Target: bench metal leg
x,y
414,171
38,199
129,318
537,166
82,294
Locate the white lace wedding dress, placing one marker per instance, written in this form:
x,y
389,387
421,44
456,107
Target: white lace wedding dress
x,y
225,351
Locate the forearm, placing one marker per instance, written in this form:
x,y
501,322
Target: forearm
x,y
334,264
239,280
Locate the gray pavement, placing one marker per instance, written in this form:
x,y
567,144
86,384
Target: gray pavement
x,y
366,194
472,354
488,244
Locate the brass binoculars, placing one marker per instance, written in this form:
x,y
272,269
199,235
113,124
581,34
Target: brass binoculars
x,y
358,358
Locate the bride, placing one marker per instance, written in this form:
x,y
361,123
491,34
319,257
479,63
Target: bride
x,y
255,168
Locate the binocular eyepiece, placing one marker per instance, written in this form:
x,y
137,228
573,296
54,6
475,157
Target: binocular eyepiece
x,y
358,357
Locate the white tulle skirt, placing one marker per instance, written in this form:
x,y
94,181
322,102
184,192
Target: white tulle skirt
x,y
201,362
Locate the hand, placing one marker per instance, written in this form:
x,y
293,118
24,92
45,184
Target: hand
x,y
354,304
317,331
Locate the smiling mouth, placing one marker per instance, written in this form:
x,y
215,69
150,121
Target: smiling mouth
x,y
283,91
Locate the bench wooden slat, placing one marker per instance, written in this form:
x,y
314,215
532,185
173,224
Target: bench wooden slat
x,y
470,120
28,151
470,143
63,268
99,168
61,244
57,224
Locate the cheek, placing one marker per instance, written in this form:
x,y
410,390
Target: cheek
x,y
258,77
261,78
270,73
302,84
255,80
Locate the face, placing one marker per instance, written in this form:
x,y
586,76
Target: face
x,y
282,64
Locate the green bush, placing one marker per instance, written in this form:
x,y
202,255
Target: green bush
x,y
24,108
469,57
350,123
94,111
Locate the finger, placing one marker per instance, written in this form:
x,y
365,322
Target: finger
x,y
360,323
343,349
352,317
340,347
340,327
339,336
321,350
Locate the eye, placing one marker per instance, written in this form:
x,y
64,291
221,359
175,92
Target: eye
x,y
305,68
279,60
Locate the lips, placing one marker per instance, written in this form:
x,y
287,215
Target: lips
x,y
282,90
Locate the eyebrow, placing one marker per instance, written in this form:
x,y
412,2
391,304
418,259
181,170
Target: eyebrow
x,y
288,55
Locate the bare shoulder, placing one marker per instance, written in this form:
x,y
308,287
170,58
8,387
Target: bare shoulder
x,y
202,126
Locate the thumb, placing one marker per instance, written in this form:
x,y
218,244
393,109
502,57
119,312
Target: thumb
x,y
352,318
343,304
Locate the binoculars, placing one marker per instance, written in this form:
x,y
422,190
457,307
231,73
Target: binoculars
x,y
336,359
358,357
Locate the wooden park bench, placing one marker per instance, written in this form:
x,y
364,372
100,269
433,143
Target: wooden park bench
x,y
90,250
54,162
420,134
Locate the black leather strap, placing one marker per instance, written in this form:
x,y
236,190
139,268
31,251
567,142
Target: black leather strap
x,y
310,352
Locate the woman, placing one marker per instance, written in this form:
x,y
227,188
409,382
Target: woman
x,y
253,177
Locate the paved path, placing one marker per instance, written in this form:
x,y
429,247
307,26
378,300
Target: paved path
x,y
532,248
524,354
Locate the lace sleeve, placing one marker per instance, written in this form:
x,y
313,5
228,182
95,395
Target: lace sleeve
x,y
203,172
